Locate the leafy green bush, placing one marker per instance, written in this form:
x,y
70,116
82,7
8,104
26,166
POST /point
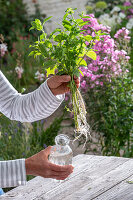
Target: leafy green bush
x,y
19,57
16,38
110,111
14,20
19,140
101,5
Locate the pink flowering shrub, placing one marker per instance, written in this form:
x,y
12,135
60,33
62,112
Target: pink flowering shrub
x,y
112,56
107,88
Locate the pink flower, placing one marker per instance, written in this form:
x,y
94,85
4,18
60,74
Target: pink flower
x,y
93,77
66,98
122,33
129,16
39,76
3,49
111,59
131,10
127,3
101,83
83,84
128,57
19,71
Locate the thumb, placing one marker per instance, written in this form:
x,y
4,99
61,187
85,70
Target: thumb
x,y
48,150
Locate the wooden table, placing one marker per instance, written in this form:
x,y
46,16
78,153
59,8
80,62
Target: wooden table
x,y
94,178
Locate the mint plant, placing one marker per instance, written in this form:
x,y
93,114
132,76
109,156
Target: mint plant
x,y
64,50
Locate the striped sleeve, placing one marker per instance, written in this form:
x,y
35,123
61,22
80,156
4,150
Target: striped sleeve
x,y
30,107
12,173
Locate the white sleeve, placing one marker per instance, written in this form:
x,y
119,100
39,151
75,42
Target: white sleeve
x,y
30,107
12,173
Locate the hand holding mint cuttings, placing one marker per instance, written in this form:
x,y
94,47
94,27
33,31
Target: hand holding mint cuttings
x,y
64,51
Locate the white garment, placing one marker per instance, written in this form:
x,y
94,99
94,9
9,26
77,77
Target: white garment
x,y
30,107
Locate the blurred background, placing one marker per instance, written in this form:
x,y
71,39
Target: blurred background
x,y
106,85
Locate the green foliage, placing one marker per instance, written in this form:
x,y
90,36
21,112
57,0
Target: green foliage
x,y
19,57
14,20
19,140
63,48
89,9
13,17
111,109
51,132
131,54
97,7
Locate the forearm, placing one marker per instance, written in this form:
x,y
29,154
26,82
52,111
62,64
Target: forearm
x,y
12,173
35,106
29,107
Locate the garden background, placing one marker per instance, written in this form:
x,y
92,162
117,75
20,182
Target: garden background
x,y
106,86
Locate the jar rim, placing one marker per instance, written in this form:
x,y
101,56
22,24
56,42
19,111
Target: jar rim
x,y
62,140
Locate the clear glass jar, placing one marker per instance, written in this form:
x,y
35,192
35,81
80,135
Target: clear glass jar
x,y
61,153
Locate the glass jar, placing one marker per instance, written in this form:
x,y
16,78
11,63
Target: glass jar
x,y
61,153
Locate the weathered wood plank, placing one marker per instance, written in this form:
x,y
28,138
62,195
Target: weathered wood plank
x,y
123,191
99,186
95,169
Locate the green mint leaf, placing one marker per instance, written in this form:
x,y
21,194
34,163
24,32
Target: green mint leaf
x,y
66,22
70,11
65,16
31,53
88,38
86,16
92,55
43,49
55,31
81,72
81,61
76,73
45,20
51,71
36,25
31,28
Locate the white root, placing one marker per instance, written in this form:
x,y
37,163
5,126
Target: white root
x,y
82,127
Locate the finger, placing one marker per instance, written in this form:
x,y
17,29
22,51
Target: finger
x,y
60,173
77,85
47,151
63,78
75,77
77,81
61,178
60,168
63,88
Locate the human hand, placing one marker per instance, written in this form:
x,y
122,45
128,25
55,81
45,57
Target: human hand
x,y
59,84
39,165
